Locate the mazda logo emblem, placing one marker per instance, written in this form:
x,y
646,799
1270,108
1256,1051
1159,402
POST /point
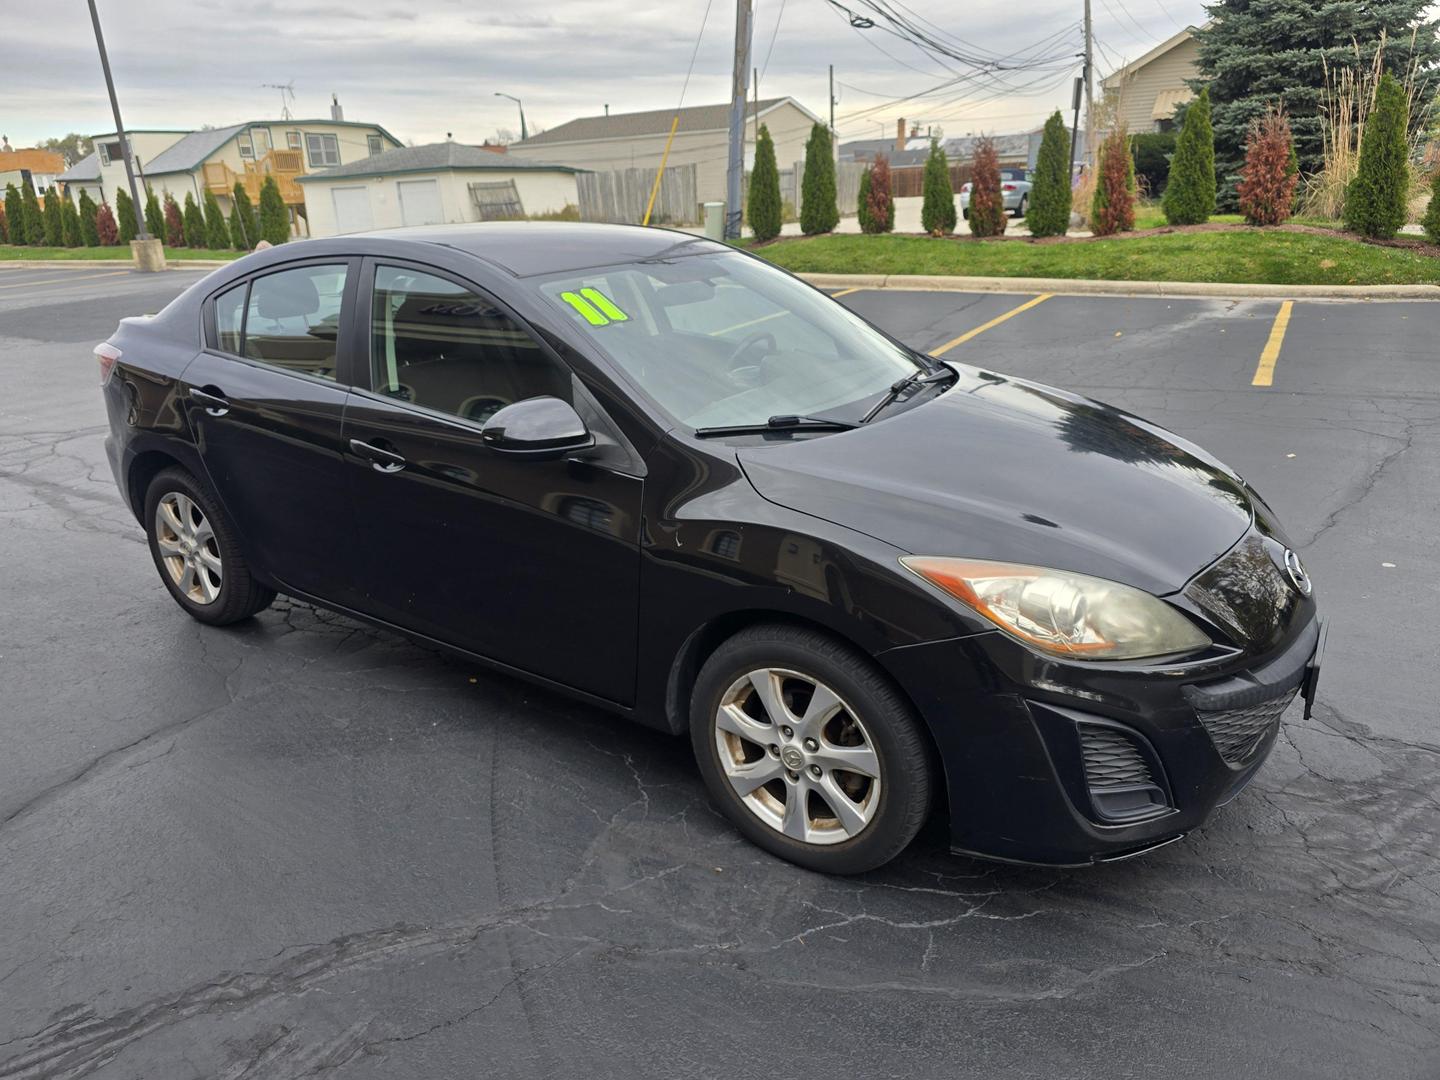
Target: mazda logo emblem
x,y
1296,569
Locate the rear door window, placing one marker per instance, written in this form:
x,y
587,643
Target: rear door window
x,y
230,318
293,319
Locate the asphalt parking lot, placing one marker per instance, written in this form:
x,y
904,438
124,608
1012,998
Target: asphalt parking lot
x,y
302,847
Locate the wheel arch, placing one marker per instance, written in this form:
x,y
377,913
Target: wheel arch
x,y
144,467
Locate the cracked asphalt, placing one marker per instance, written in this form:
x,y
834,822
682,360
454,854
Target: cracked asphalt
x,y
302,847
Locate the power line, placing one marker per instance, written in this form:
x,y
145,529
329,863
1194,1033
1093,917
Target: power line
x,y
771,47
694,53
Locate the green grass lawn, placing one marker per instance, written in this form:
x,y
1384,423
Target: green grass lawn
x,y
10,251
1251,256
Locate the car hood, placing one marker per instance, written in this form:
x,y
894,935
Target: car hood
x,y
1001,468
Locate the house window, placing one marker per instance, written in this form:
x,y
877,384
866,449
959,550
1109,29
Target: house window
x,y
110,153
292,140
261,140
247,148
375,144
324,150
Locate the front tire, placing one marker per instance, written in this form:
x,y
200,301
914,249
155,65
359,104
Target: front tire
x,y
196,553
809,750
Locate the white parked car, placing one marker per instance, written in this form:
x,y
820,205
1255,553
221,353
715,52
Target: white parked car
x,y
1014,186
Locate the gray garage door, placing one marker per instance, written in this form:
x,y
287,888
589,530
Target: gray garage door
x,y
420,202
352,209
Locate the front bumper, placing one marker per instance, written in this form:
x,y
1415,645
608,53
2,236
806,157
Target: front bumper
x,y
1068,764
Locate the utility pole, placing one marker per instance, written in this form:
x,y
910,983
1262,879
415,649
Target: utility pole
x,y
739,91
140,231
1089,89
1075,126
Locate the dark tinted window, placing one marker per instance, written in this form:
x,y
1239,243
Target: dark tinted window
x,y
440,345
293,319
229,319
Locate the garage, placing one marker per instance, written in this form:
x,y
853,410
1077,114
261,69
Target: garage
x,y
352,209
420,202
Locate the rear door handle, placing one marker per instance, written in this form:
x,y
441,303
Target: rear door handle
x,y
214,401
381,460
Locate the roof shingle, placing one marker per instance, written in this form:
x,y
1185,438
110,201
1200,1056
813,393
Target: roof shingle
x,y
433,157
653,122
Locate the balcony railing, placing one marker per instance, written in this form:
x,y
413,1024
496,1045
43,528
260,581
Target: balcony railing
x,y
284,165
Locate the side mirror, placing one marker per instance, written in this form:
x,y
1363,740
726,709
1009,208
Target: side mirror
x,y
539,427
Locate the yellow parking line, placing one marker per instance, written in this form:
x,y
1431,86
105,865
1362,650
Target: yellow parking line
x,y
991,324
845,292
59,280
1265,370
752,322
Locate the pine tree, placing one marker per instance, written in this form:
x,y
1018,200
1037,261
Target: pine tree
x,y
154,215
54,219
106,231
987,201
15,214
89,232
937,212
274,218
71,220
1256,54
217,233
125,216
34,219
194,222
1267,182
882,199
174,222
819,211
1112,209
1049,213
764,211
244,228
1190,192
862,203
1375,201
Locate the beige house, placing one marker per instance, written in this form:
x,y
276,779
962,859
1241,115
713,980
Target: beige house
x,y
215,159
637,140
439,184
1145,93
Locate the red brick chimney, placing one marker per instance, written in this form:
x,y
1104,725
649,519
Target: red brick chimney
x,y
900,134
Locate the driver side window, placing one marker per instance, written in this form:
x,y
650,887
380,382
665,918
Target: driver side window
x,y
437,344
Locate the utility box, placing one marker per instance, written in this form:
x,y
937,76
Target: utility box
x,y
715,220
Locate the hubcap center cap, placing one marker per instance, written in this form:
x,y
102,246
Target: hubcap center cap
x,y
792,757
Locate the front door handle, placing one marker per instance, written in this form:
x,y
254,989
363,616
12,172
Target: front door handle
x,y
214,401
381,460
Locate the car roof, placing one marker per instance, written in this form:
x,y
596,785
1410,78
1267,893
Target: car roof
x,y
525,248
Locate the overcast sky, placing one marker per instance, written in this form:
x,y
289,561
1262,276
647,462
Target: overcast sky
x,y
433,66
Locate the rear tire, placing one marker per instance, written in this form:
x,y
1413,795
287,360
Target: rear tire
x,y
1024,205
196,552
787,725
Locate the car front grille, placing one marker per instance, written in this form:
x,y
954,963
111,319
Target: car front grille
x,y
1111,759
1238,734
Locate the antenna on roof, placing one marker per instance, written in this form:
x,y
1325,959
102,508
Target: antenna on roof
x,y
287,95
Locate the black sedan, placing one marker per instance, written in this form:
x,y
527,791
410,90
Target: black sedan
x,y
663,476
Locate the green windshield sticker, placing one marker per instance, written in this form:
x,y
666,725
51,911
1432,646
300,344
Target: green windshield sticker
x,y
580,304
605,304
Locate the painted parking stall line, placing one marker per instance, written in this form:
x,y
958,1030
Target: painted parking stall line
x,y
970,334
1265,370
63,280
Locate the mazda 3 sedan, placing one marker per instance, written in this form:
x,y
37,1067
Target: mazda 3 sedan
x,y
674,481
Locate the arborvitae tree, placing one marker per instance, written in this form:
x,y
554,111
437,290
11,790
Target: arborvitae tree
x,y
1375,200
764,211
274,218
194,223
819,211
154,215
89,231
882,202
862,203
1431,220
34,218
244,228
15,214
1049,213
937,212
106,231
1267,183
174,222
125,215
217,233
1190,193
4,227
54,219
70,218
987,201
1255,54
1113,208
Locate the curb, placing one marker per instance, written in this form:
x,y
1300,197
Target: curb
x,y
107,264
1081,287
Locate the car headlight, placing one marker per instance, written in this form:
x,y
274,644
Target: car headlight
x,y
1065,614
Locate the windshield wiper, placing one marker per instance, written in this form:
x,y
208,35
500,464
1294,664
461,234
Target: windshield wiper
x,y
899,386
785,422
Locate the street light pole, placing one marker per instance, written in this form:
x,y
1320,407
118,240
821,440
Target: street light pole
x,y
140,231
523,133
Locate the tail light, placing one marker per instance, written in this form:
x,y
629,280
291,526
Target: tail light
x,y
107,354
1007,187
964,188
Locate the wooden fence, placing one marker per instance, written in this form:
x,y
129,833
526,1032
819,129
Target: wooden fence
x,y
847,185
621,195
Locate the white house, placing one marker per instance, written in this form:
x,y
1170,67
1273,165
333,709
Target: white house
x,y
441,183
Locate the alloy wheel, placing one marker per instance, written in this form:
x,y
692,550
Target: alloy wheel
x,y
798,756
188,547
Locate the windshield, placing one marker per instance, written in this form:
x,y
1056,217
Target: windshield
x,y
722,339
